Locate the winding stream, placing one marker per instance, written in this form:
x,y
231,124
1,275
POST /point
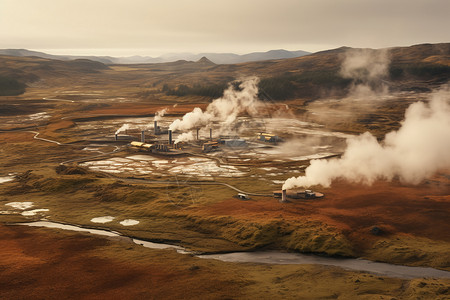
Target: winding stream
x,y
273,257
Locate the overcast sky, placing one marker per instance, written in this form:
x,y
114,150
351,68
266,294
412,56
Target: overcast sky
x,y
154,27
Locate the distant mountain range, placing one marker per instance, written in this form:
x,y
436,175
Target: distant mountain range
x,y
217,58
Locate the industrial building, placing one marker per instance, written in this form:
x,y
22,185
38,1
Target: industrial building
x,y
232,141
296,194
235,143
157,130
210,147
268,138
153,148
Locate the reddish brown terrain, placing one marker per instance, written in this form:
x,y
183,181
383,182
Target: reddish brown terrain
x,y
354,209
47,264
84,103
42,264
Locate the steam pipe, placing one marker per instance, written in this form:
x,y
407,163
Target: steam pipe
x,y
197,133
210,133
170,137
155,127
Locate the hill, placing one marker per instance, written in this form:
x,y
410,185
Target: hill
x,y
419,67
218,58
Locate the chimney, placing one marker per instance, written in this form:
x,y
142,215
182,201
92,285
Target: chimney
x,y
116,136
170,137
210,133
155,127
283,196
143,136
197,133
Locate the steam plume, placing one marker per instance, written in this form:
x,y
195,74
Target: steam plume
x,y
185,137
159,114
368,68
415,152
123,128
225,109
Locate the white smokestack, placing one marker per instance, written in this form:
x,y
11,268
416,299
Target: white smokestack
x,y
225,109
413,153
283,195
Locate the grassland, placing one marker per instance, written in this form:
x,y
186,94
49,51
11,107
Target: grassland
x,y
412,219
90,267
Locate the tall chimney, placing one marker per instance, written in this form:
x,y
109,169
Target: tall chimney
x,y
210,133
170,137
143,136
283,196
197,133
155,127
116,137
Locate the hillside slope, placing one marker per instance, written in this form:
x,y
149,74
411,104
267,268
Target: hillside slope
x,y
218,58
419,67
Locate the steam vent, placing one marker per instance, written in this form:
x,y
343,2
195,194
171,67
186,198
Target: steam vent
x,y
295,194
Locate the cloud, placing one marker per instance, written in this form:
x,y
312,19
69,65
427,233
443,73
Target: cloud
x,y
237,26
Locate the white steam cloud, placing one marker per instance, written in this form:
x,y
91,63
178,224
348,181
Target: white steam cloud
x,y
159,114
123,128
185,137
225,109
368,68
413,153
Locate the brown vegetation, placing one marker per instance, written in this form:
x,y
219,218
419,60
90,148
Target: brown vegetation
x,y
388,222
49,264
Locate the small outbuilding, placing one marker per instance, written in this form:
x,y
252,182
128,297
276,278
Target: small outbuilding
x,y
298,194
243,196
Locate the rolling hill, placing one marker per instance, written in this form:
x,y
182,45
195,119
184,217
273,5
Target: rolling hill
x,y
418,67
218,58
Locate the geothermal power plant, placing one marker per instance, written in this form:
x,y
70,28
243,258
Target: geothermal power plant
x,y
162,142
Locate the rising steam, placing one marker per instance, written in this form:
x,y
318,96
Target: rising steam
x,y
225,109
159,114
368,69
184,137
415,152
123,128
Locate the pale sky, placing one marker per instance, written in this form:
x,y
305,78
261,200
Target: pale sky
x,y
151,27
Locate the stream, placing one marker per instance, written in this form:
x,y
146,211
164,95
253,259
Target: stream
x,y
272,257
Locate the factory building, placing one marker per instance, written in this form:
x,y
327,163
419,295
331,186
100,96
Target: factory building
x,y
157,130
232,141
228,137
153,148
296,194
269,138
210,147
